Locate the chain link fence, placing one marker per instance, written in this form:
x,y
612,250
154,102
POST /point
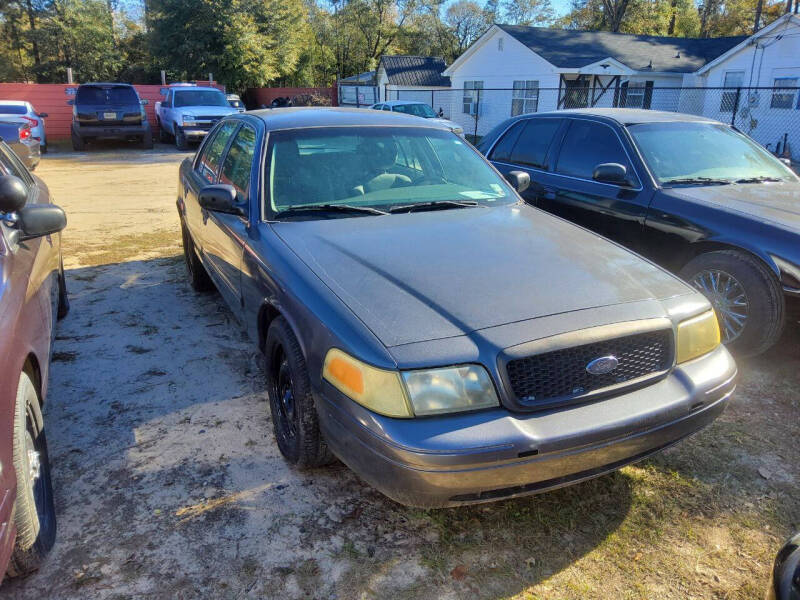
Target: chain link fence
x,y
770,115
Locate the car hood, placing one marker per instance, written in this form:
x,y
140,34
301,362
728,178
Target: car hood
x,y
422,276
775,203
446,123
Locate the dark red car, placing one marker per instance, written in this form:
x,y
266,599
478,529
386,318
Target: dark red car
x,y
32,296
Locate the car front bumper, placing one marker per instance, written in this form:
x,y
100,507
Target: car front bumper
x,y
197,131
488,455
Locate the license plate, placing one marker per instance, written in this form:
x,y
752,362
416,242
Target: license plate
x,y
111,116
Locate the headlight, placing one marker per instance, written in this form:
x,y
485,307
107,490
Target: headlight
x,y
379,390
451,389
697,336
412,393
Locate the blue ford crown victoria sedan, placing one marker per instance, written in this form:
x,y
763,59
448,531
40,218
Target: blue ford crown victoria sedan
x,y
446,341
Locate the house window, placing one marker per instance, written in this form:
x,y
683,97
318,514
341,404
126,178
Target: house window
x,y
733,79
472,96
635,96
782,95
525,98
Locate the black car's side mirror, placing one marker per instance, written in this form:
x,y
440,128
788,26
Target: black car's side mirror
x,y
611,173
36,220
13,194
519,180
43,115
220,198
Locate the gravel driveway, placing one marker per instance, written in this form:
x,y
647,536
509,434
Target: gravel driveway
x,y
169,483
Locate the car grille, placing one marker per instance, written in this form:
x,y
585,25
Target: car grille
x,y
212,118
561,375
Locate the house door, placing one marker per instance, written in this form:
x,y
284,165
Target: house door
x,y
575,92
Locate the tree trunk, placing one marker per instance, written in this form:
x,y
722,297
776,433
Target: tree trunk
x,y
788,6
35,45
757,22
673,17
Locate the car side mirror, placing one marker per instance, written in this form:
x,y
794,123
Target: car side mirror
x,y
220,198
611,173
13,194
71,102
144,101
519,180
37,220
43,115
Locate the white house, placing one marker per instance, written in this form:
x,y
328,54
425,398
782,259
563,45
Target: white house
x,y
514,69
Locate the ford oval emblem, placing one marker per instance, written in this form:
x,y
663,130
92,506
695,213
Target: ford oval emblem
x,y
602,365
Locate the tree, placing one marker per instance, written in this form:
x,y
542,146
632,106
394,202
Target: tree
x,y
467,21
528,12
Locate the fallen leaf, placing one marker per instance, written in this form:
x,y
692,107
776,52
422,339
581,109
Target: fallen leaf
x,y
459,572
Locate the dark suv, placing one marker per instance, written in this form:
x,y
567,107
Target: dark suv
x,y
692,194
109,111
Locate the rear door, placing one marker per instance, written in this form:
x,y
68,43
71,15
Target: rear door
x,y
615,211
527,146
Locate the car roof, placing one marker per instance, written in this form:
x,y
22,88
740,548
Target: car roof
x,y
401,102
105,84
195,88
312,116
627,116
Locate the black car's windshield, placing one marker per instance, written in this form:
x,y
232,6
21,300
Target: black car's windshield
x,y
106,96
695,153
378,167
200,98
418,110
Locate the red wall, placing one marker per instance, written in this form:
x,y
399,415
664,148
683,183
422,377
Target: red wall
x,y
258,96
51,98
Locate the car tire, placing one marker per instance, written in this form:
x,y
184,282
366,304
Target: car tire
x,y
78,144
724,276
163,134
198,276
63,297
34,509
181,143
147,141
294,416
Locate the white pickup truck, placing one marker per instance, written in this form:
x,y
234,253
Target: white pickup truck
x,y
188,112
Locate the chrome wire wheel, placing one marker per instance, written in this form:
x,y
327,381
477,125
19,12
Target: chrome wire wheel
x,y
728,298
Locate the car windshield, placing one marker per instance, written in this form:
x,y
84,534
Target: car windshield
x,y
418,110
106,96
681,152
200,98
12,109
378,167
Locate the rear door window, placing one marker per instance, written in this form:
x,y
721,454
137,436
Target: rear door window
x,y
238,162
586,145
534,141
502,150
13,109
208,162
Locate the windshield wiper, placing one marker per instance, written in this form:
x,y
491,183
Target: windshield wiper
x,y
434,205
345,208
698,181
760,179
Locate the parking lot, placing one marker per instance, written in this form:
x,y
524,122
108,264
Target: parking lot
x,y
169,484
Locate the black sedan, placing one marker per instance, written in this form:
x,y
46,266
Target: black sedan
x,y
694,195
419,321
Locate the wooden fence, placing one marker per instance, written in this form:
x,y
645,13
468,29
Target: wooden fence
x,y
258,97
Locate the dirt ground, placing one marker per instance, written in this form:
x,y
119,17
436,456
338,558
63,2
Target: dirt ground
x,y
169,483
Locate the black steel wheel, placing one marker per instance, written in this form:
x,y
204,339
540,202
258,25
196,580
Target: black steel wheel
x,y
198,276
34,512
294,416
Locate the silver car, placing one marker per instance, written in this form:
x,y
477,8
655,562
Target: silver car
x,y
23,112
418,109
